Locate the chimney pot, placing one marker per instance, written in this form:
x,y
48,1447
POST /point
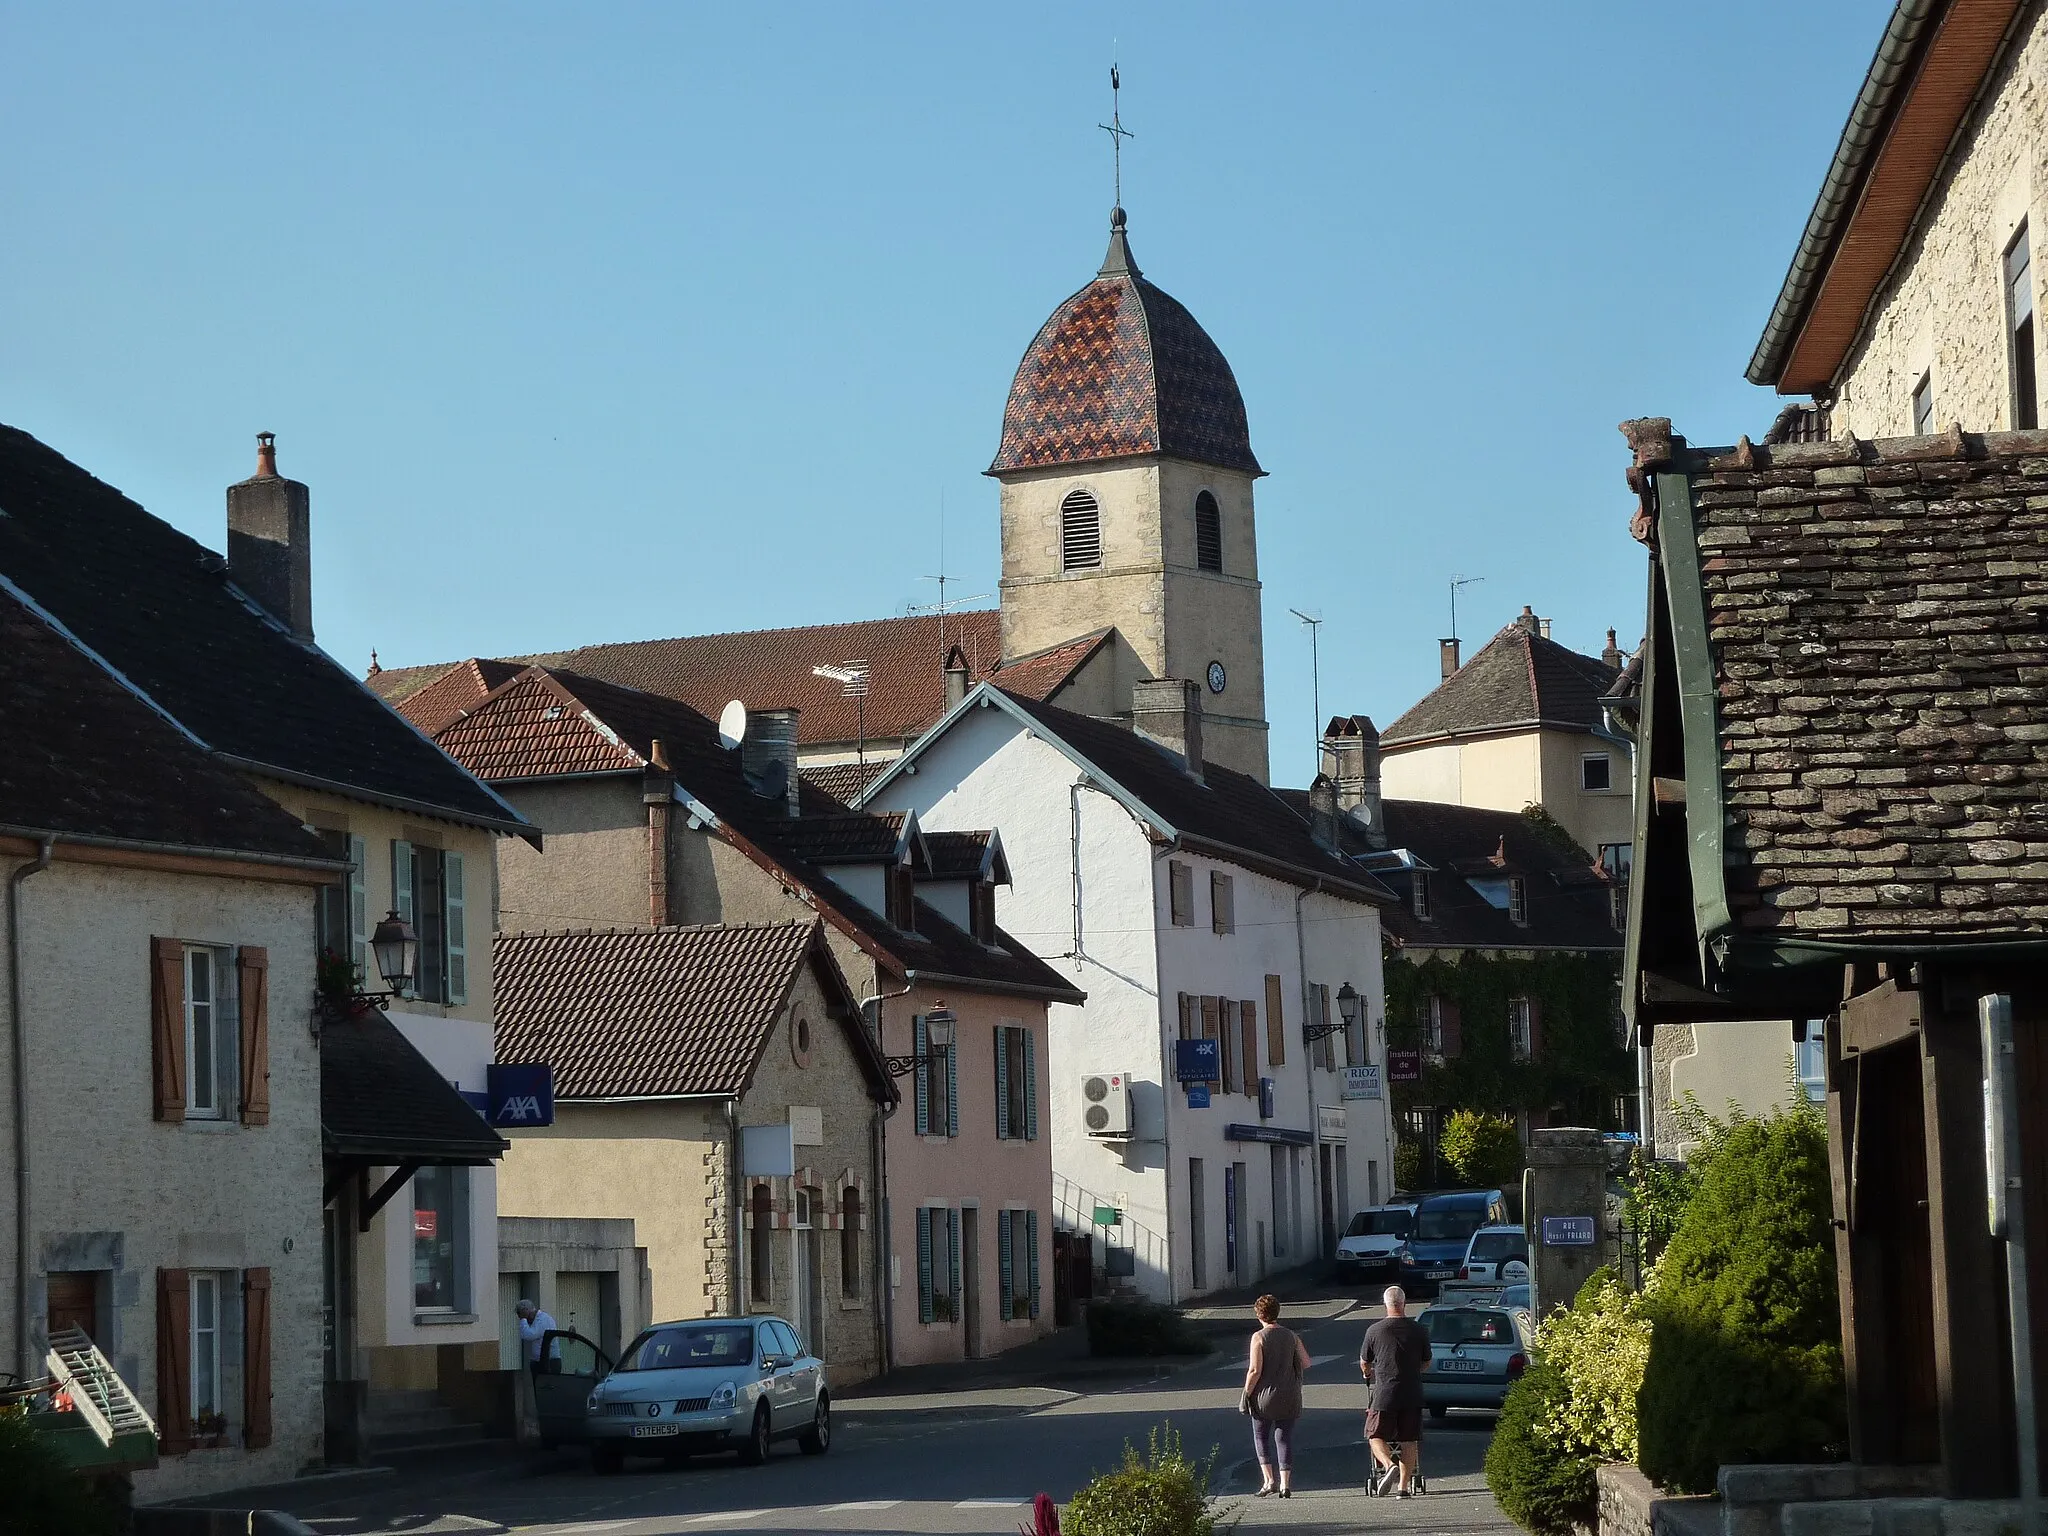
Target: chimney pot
x,y
1168,710
1544,627
1528,620
266,455
1612,655
1447,657
270,541
956,677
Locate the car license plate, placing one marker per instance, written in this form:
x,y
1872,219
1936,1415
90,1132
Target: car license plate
x,y
1441,1274
655,1431
1453,1367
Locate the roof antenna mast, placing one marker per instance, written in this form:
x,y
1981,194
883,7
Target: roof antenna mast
x,y
1115,127
1457,582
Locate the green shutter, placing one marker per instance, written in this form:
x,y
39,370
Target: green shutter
x,y
953,1084
358,909
924,1264
1030,1086
1031,1257
1002,1083
922,1079
1006,1263
453,927
953,1270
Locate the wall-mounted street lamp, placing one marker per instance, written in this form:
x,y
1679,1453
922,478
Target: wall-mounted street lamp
x,y
1347,1015
938,1040
397,951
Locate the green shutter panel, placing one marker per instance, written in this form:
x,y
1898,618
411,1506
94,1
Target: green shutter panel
x,y
924,1264
1006,1264
1031,1257
1002,1083
358,909
953,1085
922,1079
401,880
1030,1086
458,948
953,1253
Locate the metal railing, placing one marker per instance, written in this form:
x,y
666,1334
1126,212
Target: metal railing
x,y
1074,1210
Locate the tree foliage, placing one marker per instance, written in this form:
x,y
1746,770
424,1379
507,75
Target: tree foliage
x,y
40,1496
1481,1149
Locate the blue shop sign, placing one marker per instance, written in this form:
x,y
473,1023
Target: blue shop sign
x,y
1568,1232
1198,1095
522,1093
1265,1098
1197,1061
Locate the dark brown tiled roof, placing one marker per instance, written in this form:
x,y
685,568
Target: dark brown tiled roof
x,y
641,1012
1879,651
1120,369
85,756
1519,679
383,1102
956,855
854,837
841,784
160,609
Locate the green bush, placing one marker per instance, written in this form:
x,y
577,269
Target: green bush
x,y
1140,1328
1540,1485
1482,1149
1162,1493
1745,1361
1407,1166
43,1497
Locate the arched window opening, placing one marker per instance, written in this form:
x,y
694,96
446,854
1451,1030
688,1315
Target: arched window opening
x,y
849,1243
1080,532
1208,533
763,1245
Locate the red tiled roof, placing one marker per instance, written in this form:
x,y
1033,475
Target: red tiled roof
x,y
839,782
1043,674
444,698
535,729
1121,369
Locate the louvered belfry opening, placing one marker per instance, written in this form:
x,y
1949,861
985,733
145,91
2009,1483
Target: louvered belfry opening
x,y
1080,531
1208,533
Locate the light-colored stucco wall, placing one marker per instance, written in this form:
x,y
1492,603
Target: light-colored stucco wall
x,y
1592,816
1515,770
592,869
116,1191
1744,1064
1943,311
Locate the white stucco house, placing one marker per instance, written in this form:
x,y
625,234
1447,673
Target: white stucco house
x,y
1188,901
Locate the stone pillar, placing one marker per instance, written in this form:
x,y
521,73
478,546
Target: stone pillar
x,y
1567,1179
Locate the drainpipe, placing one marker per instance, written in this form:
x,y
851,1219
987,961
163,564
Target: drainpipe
x,y
885,1295
1074,822
1308,1066
24,1351
732,1125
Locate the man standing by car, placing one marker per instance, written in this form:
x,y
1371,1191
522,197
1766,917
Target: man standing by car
x,y
534,1326
1392,1359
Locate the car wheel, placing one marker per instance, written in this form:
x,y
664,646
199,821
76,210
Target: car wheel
x,y
755,1451
607,1460
1438,1415
817,1440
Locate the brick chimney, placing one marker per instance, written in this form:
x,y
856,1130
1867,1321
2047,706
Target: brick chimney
x,y
768,753
1351,761
1612,655
1527,619
270,541
956,677
1447,657
1168,710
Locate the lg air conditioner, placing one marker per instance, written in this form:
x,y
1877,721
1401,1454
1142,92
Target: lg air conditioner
x,y
1106,1104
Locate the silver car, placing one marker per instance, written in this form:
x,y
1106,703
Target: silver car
x,y
1476,1354
717,1383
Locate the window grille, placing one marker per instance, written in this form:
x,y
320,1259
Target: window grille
x,y
1080,532
1208,533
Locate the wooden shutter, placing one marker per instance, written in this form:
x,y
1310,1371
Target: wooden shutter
x,y
252,998
1006,1262
1327,1046
1248,1031
953,1085
1226,1042
174,1361
1031,1257
1030,1086
1002,1083
1276,1031
1180,882
358,909
255,1358
1222,905
1535,1029
455,928
1209,1028
167,1026
1187,1028
922,1078
924,1263
953,1253
1454,1030
401,880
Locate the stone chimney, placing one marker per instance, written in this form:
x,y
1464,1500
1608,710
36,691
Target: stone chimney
x,y
270,541
1447,657
1612,655
1351,761
1322,814
1527,619
768,753
956,677
1168,710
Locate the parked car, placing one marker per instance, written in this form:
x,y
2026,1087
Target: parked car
x,y
1370,1245
710,1384
1518,1298
1444,1224
1476,1354
1494,1257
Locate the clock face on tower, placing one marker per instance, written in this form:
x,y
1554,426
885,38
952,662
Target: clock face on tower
x,y
1216,677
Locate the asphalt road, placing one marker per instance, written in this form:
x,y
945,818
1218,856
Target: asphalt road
x,y
965,1462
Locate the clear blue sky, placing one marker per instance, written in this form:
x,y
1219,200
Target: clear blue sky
x,y
612,322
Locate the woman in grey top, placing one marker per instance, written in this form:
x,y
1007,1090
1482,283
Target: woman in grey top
x,y
1272,1396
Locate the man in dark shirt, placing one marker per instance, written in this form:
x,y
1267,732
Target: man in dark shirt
x,y
1392,1359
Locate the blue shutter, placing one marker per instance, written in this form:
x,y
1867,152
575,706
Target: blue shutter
x,y
1031,1257
924,1264
1002,1083
953,1085
953,1271
923,1079
1006,1263
1030,1086
456,928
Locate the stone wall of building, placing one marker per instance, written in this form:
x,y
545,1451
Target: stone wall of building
x,y
1943,310
594,871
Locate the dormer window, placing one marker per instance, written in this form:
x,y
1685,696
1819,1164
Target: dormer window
x,y
1518,900
1208,533
901,896
981,911
1080,532
1418,898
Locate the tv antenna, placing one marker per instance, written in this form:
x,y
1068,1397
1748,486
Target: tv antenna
x,y
944,605
852,678
1315,668
1115,128
1457,582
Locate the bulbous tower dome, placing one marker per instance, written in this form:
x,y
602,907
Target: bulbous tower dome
x,y
1120,370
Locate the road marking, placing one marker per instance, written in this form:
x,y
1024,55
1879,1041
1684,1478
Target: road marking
x,y
838,1509
580,1530
729,1514
991,1503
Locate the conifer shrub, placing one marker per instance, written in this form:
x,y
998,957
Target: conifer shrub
x,y
1161,1493
1541,1485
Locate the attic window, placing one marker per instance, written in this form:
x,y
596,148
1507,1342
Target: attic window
x,y
1518,900
901,897
1596,771
1419,896
1080,532
981,911
1208,533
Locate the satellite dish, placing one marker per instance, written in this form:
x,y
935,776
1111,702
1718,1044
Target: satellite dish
x,y
772,782
732,725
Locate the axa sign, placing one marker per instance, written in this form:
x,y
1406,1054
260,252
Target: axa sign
x,y
522,1094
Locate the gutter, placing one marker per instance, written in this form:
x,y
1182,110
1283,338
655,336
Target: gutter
x,y
25,1354
1072,995
46,836
516,827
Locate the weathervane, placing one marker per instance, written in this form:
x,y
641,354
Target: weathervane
x,y
1116,130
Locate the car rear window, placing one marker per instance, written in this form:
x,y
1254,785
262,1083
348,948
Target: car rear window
x,y
683,1349
1463,1327
1441,1223
1492,1247
1380,1224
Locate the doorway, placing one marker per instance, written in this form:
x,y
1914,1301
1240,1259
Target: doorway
x,y
808,1312
1239,1196
1198,1228
970,1277
1326,1188
75,1302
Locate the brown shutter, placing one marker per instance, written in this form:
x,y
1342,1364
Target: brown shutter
x,y
1276,1031
1454,1030
1226,1021
1209,1030
167,1026
1248,1026
1535,1029
252,992
174,1361
1187,1031
255,1358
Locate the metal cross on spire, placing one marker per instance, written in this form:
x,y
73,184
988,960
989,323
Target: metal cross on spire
x,y
1116,130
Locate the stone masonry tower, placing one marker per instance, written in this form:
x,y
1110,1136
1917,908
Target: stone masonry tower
x,y
1127,471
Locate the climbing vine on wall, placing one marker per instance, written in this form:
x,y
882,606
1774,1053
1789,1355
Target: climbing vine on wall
x,y
1580,1066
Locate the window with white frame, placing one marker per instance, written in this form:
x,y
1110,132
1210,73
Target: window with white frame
x,y
1518,899
1923,405
1811,1060
936,1083
1433,1028
2019,319
209,1035
431,893
1520,1036
1418,895
1016,1056
209,1414
1080,531
1596,771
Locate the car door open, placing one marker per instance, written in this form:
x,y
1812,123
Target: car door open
x,y
569,1366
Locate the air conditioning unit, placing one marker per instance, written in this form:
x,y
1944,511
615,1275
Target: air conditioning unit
x,y
1106,1104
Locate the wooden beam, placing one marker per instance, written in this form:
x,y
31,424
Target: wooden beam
x,y
1886,1014
1669,794
1857,1262
391,1186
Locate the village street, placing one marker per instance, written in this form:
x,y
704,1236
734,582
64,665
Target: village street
x,y
966,1461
